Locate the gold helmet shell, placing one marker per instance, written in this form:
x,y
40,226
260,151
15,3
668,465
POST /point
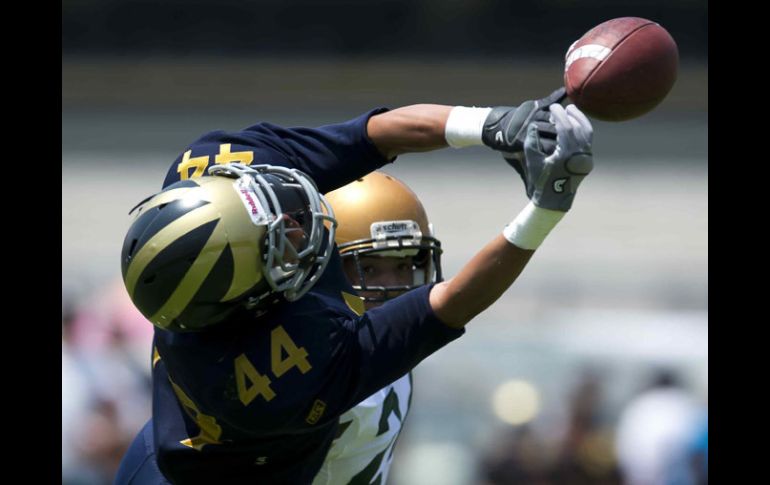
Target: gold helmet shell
x,y
379,215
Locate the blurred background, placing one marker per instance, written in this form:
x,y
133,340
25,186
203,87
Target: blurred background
x,y
593,368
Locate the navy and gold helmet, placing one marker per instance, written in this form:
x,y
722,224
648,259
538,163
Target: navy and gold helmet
x,y
244,237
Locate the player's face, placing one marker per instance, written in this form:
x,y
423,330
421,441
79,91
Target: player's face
x,y
296,235
380,271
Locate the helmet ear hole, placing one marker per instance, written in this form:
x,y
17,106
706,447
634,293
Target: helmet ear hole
x,y
132,247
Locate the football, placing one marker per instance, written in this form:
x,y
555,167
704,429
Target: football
x,y
621,69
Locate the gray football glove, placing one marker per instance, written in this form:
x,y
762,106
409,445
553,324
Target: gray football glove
x,y
505,128
552,180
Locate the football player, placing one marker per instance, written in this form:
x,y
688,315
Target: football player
x,y
260,342
387,248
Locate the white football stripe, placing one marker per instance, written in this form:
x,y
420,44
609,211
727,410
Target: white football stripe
x,y
596,51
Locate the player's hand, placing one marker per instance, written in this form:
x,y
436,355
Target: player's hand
x,y
552,180
505,128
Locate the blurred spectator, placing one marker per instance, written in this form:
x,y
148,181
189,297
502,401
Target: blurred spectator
x,y
656,433
586,455
109,319
518,457
74,404
102,442
114,344
106,393
698,455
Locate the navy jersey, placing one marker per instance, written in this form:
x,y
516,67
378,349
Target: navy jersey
x,y
258,399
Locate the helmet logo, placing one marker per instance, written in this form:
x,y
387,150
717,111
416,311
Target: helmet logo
x,y
251,202
383,229
388,233
558,185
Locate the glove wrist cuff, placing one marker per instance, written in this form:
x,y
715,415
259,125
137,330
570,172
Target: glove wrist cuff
x,y
465,125
530,228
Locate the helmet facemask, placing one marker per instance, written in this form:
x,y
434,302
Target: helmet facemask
x,y
394,239
295,249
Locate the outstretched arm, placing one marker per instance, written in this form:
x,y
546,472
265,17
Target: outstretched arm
x,y
396,336
551,184
480,283
426,127
415,128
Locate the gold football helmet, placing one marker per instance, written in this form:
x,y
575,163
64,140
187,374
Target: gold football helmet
x,y
380,217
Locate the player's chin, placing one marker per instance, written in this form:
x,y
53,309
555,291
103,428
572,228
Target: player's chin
x,y
374,299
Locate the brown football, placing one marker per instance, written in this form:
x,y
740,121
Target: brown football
x,y
621,69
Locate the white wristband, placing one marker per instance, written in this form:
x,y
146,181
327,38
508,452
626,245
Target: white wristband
x,y
464,126
530,228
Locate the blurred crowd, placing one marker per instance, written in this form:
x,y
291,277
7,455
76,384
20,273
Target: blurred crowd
x,y
658,437
106,383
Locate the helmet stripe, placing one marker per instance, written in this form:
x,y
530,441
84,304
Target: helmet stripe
x,y
207,305
193,279
150,222
193,219
247,258
166,271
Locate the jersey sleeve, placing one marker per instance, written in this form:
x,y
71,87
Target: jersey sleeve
x,y
332,155
395,337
